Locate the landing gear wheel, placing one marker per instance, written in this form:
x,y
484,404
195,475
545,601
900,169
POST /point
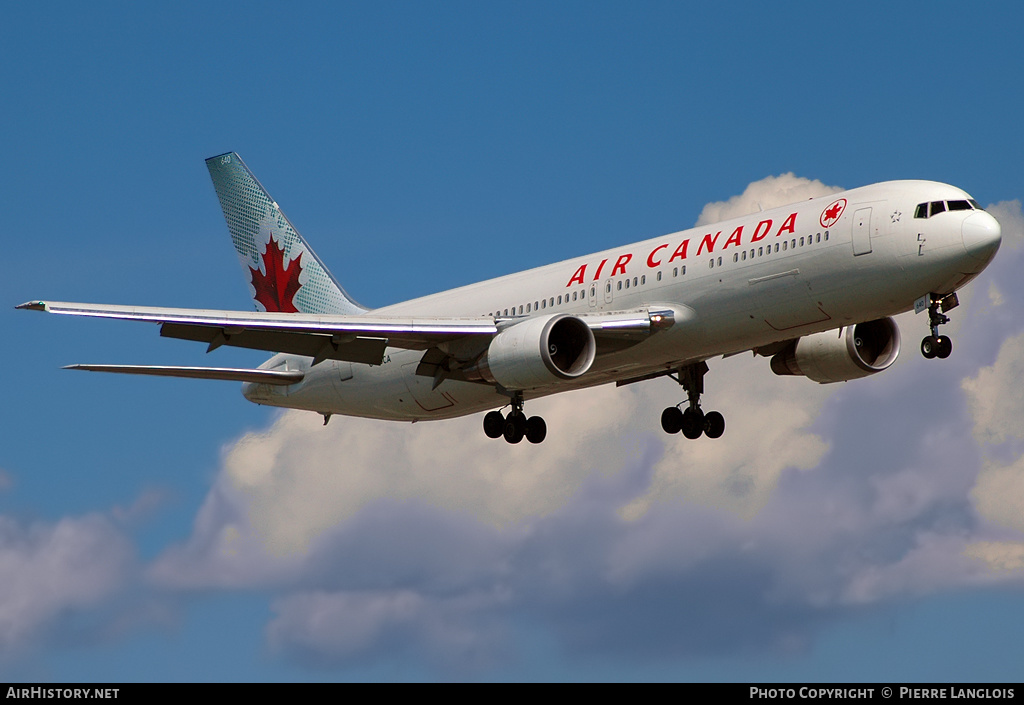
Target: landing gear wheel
x,y
936,345
515,427
930,347
536,429
672,419
494,424
693,423
714,424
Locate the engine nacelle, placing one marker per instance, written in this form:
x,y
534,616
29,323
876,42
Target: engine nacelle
x,y
838,356
537,352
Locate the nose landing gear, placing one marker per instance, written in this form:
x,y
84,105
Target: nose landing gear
x,y
692,422
516,425
936,345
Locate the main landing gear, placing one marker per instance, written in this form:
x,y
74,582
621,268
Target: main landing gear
x,y
692,422
936,345
515,426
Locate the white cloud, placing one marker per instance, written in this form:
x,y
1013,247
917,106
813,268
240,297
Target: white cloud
x,y
343,625
996,397
1011,221
999,556
767,193
51,569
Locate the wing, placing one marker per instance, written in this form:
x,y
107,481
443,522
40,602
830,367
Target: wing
x,y
349,338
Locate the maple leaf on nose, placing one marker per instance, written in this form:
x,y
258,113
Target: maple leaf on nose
x,y
276,289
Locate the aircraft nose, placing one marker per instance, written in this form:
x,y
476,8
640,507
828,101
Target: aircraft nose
x,y
981,234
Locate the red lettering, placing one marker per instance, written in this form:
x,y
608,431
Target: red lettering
x,y
599,268
650,257
578,276
680,252
789,226
620,264
734,239
709,241
761,230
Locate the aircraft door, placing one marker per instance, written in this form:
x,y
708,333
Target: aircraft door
x,y
862,232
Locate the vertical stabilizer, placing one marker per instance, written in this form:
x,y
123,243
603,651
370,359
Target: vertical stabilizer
x,y
283,272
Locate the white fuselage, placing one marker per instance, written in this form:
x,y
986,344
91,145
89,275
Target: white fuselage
x,y
733,286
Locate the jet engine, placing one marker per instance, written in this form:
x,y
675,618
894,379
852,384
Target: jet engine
x,y
537,352
841,355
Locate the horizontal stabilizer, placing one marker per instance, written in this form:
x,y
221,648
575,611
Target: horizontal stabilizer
x,y
231,374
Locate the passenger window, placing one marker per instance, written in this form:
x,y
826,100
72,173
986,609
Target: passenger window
x,y
643,279
627,283
619,285
784,243
801,242
760,251
659,276
719,261
634,281
527,308
711,263
794,243
736,257
936,207
553,301
819,238
684,269
543,303
675,271
826,236
520,309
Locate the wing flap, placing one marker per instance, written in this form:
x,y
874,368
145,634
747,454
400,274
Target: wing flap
x,y
322,347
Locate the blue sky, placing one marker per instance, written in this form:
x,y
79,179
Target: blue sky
x,y
170,530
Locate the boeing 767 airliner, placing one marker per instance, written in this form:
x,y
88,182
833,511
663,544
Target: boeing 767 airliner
x,y
813,286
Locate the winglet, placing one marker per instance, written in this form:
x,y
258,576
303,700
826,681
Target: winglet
x,y
33,306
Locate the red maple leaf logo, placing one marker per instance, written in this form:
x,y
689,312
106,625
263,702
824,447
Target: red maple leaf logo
x,y
831,214
276,289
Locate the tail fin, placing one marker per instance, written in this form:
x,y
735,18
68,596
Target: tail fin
x,y
283,272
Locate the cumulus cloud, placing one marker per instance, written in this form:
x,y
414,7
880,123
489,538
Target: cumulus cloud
x,y
996,396
767,193
52,569
432,540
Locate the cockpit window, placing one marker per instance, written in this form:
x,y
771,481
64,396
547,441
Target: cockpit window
x,y
924,210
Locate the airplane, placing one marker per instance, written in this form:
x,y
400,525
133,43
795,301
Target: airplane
x,y
812,286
